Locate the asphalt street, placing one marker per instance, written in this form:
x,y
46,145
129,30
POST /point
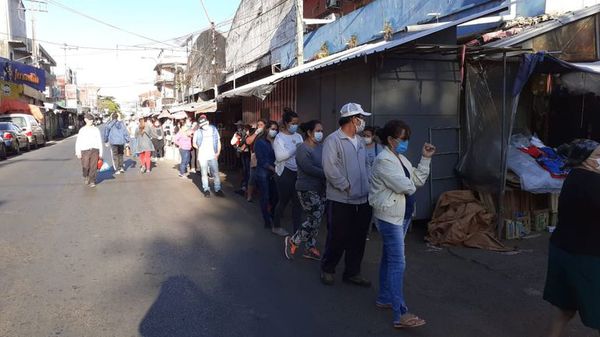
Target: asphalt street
x,y
148,255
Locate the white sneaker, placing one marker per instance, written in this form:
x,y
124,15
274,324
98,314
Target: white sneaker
x,y
280,231
117,172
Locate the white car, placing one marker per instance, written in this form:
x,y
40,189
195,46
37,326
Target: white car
x,y
32,129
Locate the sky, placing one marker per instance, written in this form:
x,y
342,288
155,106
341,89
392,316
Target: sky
x,y
121,73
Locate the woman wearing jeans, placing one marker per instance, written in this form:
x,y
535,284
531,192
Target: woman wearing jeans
x,y
183,140
310,187
265,169
394,182
286,170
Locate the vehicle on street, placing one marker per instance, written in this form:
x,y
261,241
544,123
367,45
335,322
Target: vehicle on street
x,y
14,138
29,125
2,148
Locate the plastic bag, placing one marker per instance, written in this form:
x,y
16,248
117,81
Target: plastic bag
x,y
105,167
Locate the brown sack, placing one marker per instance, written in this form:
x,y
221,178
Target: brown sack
x,y
460,219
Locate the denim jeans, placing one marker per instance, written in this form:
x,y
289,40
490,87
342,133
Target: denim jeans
x,y
393,264
213,164
268,194
185,160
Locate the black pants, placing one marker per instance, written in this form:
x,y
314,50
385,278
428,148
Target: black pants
x,y
89,164
159,147
194,159
245,159
347,228
286,190
117,152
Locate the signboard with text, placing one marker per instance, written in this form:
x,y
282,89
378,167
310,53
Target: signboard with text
x,y
10,90
20,73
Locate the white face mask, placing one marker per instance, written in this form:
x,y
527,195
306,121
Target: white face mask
x,y
368,140
259,131
360,128
205,127
272,133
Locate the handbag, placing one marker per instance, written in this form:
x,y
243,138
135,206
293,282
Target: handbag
x,y
127,151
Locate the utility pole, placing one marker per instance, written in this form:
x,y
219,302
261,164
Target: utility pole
x,y
214,60
65,47
300,32
36,6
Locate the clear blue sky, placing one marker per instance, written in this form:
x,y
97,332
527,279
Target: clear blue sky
x,y
123,72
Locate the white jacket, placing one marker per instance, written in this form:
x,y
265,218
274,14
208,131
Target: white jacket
x,y
89,137
389,185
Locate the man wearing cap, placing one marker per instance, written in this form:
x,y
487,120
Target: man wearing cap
x,y
349,213
207,141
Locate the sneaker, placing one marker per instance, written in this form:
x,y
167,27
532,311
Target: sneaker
x,y
280,231
290,248
220,194
86,180
181,175
117,172
312,254
327,279
358,281
92,185
192,170
206,194
143,169
122,170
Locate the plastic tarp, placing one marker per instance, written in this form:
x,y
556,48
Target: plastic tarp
x,y
533,177
13,105
487,127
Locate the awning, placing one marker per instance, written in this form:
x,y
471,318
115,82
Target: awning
x,y
179,115
164,114
13,105
263,87
36,112
197,107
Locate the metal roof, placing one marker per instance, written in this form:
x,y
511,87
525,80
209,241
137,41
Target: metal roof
x,y
545,27
263,87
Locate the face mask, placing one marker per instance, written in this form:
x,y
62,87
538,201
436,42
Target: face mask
x,y
360,128
188,124
318,136
368,140
272,133
402,147
259,131
292,128
205,127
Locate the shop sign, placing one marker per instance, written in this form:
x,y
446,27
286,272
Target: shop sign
x,y
10,90
20,73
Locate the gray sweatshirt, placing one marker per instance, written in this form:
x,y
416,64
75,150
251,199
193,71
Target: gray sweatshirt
x,y
310,170
345,168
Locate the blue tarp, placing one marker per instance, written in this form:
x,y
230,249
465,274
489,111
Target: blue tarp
x,y
21,73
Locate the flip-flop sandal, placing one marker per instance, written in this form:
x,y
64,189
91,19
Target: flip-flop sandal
x,y
409,321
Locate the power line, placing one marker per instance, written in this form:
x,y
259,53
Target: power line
x,y
205,11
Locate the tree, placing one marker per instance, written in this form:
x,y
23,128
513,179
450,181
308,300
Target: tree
x,y
108,102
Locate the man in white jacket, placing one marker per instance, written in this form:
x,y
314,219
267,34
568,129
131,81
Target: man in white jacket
x,y
88,148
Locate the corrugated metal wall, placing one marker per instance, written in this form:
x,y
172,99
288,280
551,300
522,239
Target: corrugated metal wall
x,y
284,95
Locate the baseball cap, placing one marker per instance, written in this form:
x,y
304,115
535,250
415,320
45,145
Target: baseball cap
x,y
351,109
239,122
202,121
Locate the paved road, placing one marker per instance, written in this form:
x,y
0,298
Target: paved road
x,y
147,255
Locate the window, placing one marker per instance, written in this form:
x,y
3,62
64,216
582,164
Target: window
x,y
19,121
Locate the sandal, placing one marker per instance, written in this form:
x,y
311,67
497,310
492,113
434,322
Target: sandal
x,y
409,321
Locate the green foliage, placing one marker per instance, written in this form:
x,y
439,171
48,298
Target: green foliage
x,y
108,102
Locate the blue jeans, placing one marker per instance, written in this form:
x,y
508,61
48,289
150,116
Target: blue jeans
x,y
393,264
185,160
268,194
213,164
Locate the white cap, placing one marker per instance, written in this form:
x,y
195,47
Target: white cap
x,y
351,109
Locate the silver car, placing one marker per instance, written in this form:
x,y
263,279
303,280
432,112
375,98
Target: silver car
x,y
29,125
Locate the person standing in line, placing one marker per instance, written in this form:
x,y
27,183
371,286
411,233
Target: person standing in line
x,y
208,143
183,140
251,141
310,187
88,148
158,140
393,184
348,211
115,133
372,147
143,146
265,170
573,275
238,141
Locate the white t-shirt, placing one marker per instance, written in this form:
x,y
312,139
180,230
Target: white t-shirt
x,y
354,141
206,151
284,147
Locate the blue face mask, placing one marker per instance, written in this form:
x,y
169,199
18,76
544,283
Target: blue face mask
x,y
292,128
402,147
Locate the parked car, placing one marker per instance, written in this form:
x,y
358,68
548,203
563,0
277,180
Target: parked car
x,y
29,125
15,139
2,148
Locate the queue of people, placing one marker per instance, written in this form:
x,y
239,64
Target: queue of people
x,y
350,177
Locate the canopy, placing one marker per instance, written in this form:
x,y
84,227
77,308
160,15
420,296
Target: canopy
x,y
164,114
13,105
36,112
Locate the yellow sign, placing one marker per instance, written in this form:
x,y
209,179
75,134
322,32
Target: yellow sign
x,y
10,90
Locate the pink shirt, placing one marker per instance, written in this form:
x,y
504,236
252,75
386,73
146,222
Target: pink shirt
x,y
184,142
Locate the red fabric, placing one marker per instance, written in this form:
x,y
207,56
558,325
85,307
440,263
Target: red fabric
x,y
145,159
532,151
10,105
